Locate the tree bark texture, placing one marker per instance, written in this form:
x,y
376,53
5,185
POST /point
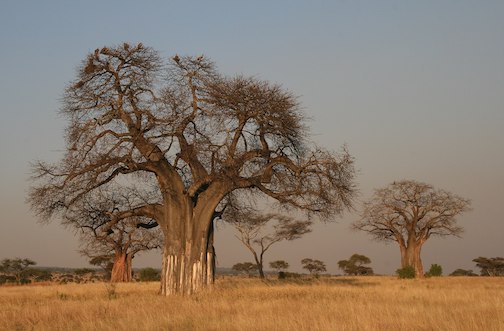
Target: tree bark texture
x,y
121,270
410,256
188,255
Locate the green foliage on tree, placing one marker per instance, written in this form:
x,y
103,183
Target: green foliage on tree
x,y
463,272
355,265
149,275
315,267
435,271
38,275
279,265
245,267
16,268
406,272
493,266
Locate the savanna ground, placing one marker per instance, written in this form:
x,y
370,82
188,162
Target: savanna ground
x,y
234,303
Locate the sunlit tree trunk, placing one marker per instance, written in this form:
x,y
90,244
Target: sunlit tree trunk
x,y
121,270
188,256
410,256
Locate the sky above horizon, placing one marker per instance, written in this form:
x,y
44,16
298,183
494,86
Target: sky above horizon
x,y
414,88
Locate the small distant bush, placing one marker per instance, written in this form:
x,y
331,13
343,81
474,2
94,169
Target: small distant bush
x,y
406,272
149,275
7,279
83,271
24,281
288,275
463,272
435,271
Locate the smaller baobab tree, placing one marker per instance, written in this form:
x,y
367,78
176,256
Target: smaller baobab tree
x,y
355,265
110,235
314,267
119,246
409,213
253,232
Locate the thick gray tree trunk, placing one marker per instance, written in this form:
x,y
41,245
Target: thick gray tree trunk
x,y
410,256
188,254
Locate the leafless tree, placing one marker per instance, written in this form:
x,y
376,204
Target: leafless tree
x,y
409,212
121,244
195,135
103,238
253,231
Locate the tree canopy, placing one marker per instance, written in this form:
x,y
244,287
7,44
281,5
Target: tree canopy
x,y
254,234
493,266
355,265
192,136
315,267
410,212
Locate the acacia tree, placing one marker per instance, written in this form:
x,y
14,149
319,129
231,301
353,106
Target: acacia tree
x,y
313,266
16,267
197,136
409,213
245,267
117,242
253,232
493,266
279,265
355,265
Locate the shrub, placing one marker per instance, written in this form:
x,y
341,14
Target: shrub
x,y
285,275
463,272
149,275
435,271
406,272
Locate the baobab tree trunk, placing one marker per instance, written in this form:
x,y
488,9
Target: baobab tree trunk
x,y
188,256
410,256
121,270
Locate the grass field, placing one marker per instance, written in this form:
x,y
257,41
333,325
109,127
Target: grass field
x,y
358,303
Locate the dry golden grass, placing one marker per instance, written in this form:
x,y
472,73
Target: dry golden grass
x,y
359,303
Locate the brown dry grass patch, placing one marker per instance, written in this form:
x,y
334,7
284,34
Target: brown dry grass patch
x,y
358,303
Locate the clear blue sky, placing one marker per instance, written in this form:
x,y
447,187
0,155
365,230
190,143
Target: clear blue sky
x,y
415,88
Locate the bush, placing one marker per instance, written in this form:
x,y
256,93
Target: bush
x,y
7,279
149,275
406,272
463,272
286,275
435,271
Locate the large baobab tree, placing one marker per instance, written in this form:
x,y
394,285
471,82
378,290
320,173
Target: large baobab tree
x,y
409,213
253,232
197,136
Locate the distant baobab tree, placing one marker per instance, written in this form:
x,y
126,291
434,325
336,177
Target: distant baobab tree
x,y
409,213
103,240
197,136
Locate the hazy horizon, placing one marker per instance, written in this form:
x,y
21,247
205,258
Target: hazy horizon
x,y
414,89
